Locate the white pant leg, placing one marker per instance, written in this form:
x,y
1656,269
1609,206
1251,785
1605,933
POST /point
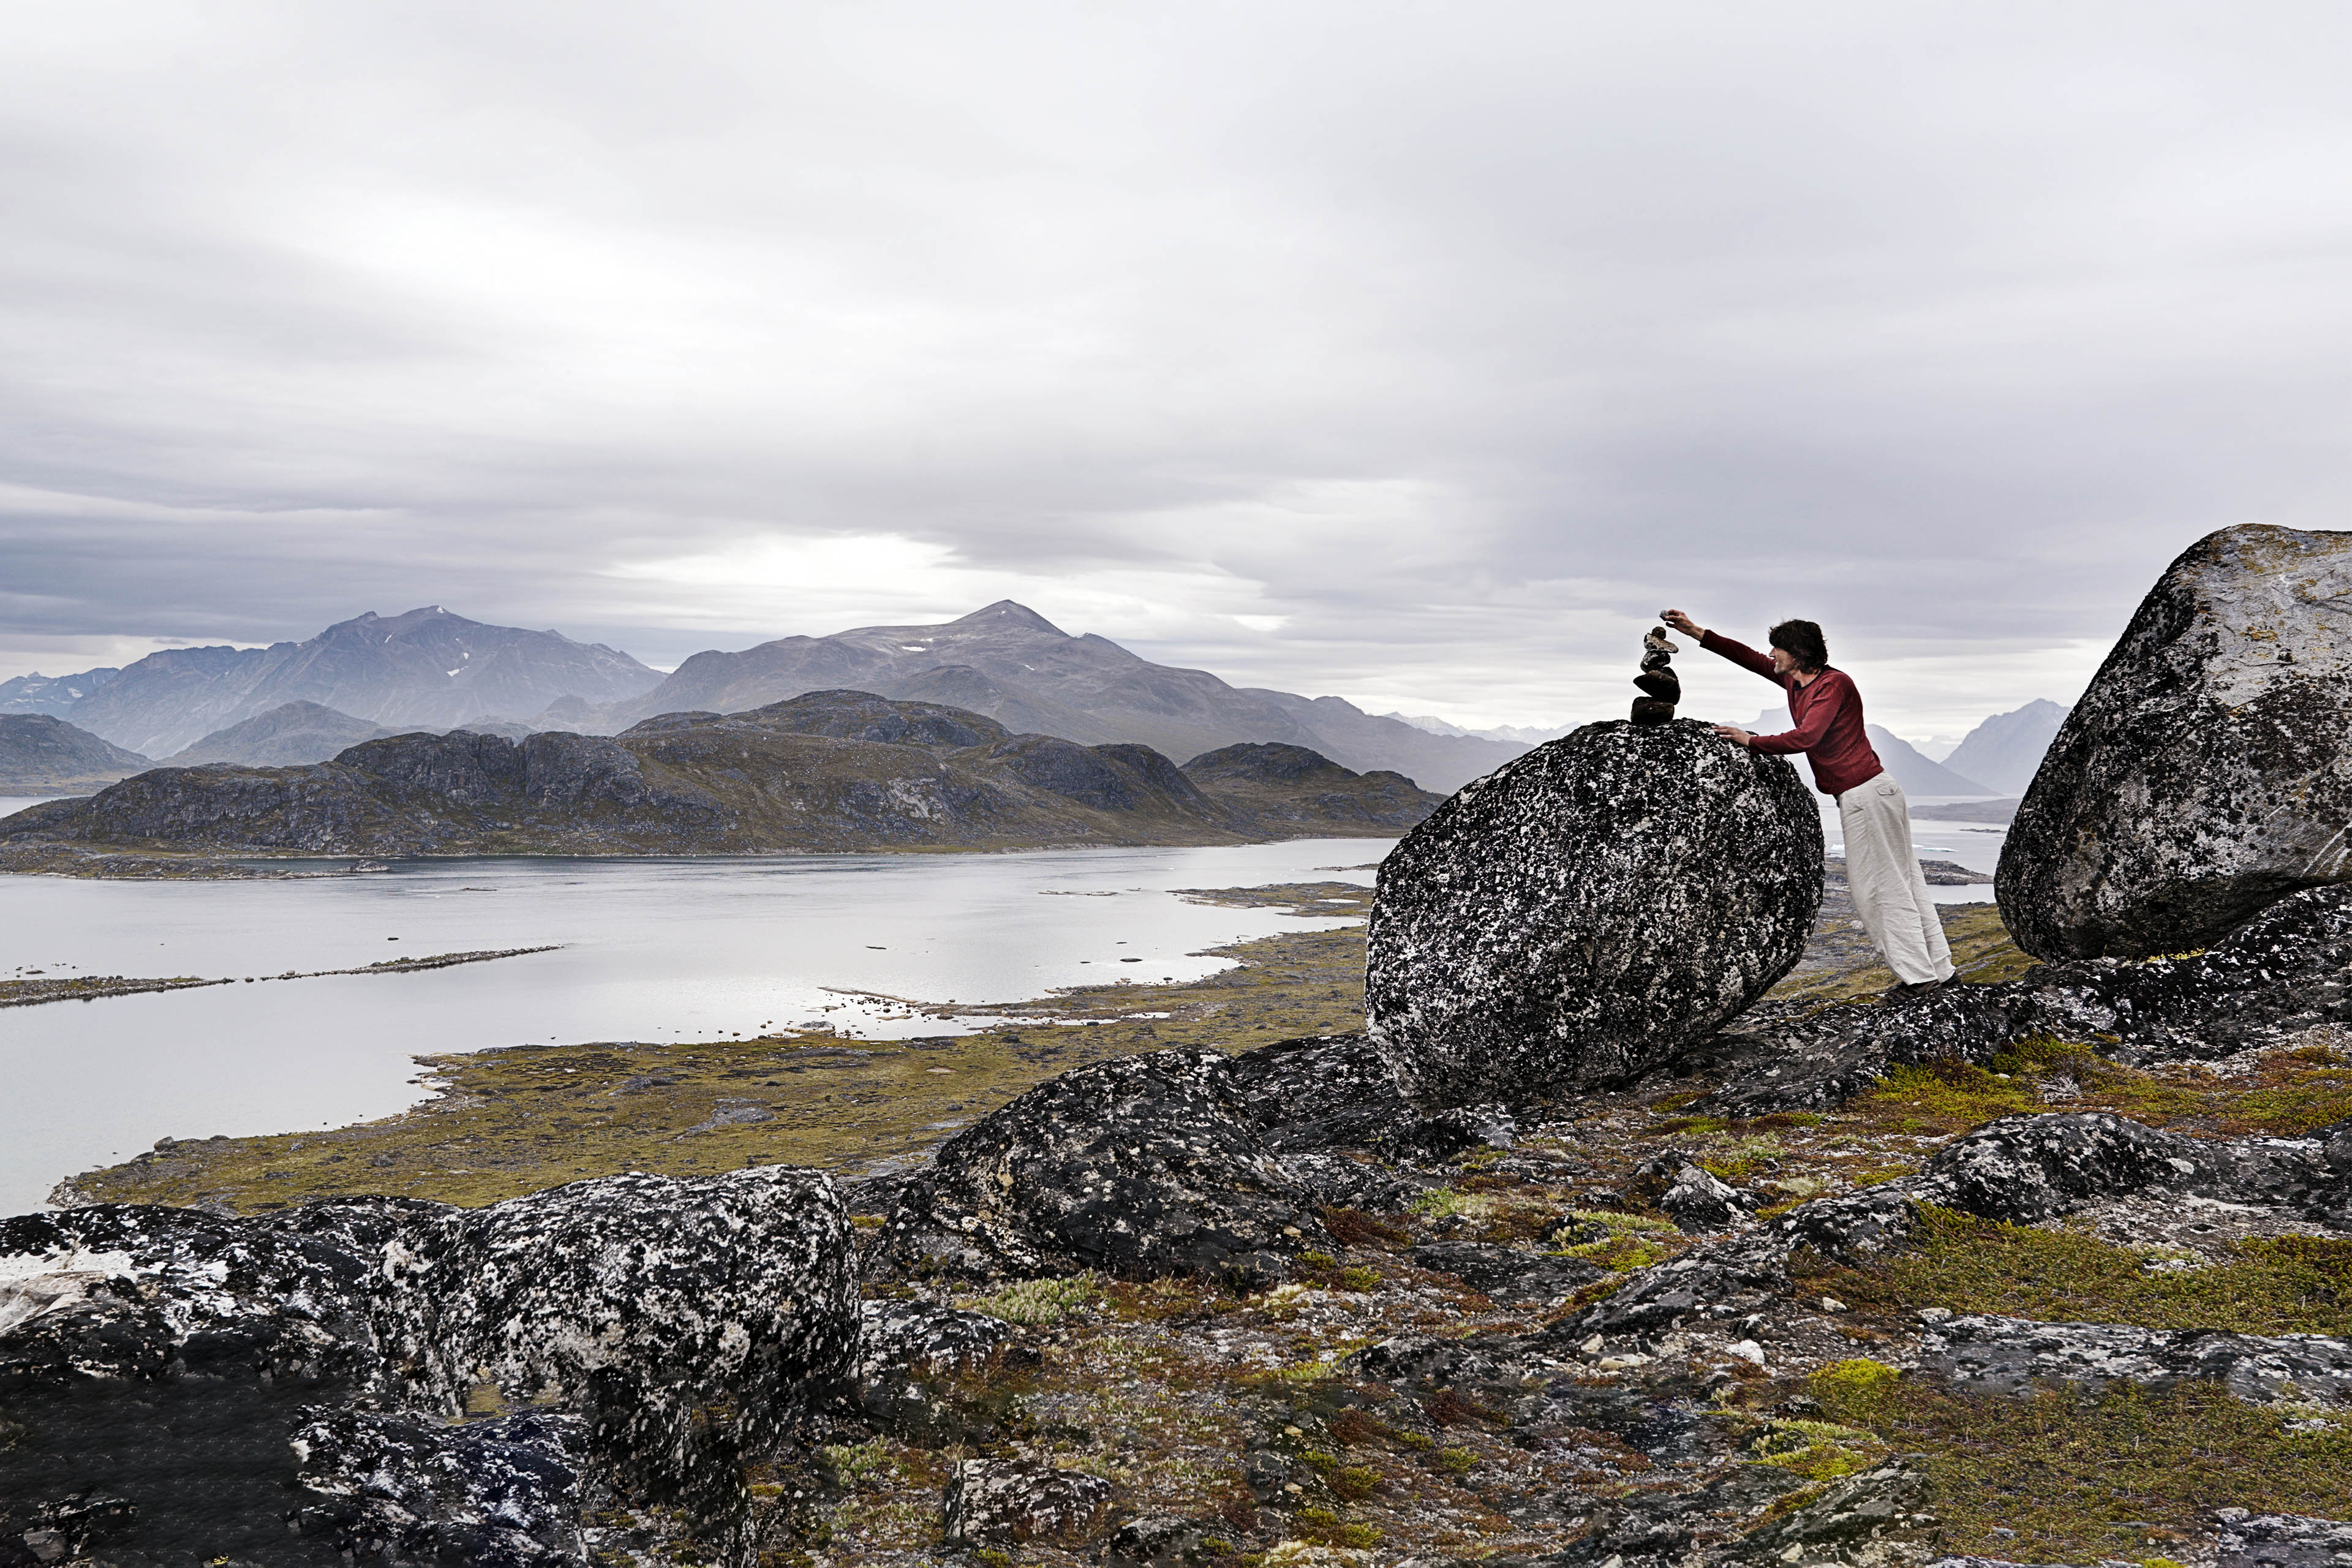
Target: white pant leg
x,y
1890,892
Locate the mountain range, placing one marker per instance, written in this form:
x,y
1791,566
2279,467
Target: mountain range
x,y
423,669
297,702
2006,750
1010,663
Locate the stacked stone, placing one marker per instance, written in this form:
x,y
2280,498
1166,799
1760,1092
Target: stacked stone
x,y
1661,687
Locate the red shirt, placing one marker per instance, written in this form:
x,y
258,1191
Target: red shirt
x,y
1827,711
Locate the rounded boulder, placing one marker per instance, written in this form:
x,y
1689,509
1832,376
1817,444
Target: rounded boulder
x,y
1589,911
2207,773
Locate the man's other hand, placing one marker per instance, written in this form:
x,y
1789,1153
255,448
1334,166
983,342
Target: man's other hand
x,y
1683,623
1733,734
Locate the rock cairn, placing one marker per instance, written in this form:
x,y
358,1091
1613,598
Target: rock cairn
x,y
1661,687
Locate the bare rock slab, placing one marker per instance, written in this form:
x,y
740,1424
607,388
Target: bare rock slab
x,y
1589,911
2206,772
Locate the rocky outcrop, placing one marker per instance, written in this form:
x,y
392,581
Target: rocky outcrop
x,y
828,771
222,1380
2208,770
1590,912
1140,1168
2284,971
2011,1356
42,755
2021,1170
1012,1502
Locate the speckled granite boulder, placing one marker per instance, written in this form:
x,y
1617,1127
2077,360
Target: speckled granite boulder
x,y
502,1494
1143,1167
154,1363
1587,911
645,1303
1009,1502
2207,769
158,1365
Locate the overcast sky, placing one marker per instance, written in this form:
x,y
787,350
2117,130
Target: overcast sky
x,y
1418,354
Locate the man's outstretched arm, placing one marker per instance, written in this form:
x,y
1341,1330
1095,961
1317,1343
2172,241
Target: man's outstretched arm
x,y
1738,653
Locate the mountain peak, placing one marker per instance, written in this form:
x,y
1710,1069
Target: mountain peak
x,y
1006,613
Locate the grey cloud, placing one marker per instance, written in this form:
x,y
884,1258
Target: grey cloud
x,y
1459,339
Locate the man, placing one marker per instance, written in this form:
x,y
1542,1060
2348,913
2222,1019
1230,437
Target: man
x,y
1889,892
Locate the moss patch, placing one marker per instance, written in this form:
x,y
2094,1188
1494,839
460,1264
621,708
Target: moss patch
x,y
2268,1285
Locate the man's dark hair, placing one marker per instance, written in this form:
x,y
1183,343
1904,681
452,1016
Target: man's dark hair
x,y
1803,641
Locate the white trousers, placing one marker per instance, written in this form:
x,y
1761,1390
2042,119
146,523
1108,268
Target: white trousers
x,y
1890,894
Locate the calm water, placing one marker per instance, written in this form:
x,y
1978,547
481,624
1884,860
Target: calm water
x,y
653,950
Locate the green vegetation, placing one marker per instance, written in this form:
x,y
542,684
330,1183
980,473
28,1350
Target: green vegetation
x,y
2276,1285
2080,1477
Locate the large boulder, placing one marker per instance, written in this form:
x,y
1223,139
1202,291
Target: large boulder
x,y
1587,911
2206,772
181,1386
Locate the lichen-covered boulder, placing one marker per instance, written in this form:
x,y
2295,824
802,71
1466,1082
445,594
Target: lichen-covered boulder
x,y
502,1494
691,1320
181,1386
1587,911
2207,769
154,1364
1143,1167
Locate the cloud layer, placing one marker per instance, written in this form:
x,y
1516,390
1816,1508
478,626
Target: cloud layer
x,y
1414,352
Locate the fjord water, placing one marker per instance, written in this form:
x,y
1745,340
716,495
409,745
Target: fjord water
x,y
651,950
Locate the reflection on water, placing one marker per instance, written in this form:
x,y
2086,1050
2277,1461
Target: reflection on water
x,y
653,950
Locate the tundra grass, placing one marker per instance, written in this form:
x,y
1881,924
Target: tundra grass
x,y
2069,1476
2265,1285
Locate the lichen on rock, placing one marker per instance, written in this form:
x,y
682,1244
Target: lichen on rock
x,y
1589,911
2207,769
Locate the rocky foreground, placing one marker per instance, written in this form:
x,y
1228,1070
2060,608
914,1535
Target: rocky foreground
x,y
2056,1298
823,773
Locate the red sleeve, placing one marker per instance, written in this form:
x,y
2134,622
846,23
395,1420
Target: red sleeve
x,y
1740,654
1815,727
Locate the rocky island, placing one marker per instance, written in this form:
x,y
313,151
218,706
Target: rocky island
x,y
825,772
2052,1266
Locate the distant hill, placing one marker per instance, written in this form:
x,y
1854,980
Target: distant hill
x,y
288,734
1917,773
51,694
423,669
822,772
40,754
2006,750
1012,664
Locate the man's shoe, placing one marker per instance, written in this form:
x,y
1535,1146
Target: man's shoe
x,y
1913,991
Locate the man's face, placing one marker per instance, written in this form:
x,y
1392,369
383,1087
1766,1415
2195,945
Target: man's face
x,y
1783,662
